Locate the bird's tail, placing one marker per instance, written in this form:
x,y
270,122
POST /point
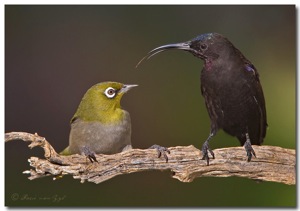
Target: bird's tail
x,y
66,151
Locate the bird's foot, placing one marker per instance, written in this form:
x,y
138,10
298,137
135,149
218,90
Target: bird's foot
x,y
89,154
205,149
249,150
161,151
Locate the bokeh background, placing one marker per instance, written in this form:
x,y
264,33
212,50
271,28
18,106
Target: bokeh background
x,y
53,54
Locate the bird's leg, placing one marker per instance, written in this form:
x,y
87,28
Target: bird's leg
x,y
205,149
89,154
248,148
161,151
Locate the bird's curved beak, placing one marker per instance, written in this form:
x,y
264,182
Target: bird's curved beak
x,y
179,46
127,87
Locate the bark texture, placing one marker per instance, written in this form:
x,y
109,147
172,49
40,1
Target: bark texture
x,y
272,163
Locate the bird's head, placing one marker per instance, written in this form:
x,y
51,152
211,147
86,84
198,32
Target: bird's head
x,y
102,101
208,46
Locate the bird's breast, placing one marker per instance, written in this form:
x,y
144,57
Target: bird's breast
x,y
226,90
107,138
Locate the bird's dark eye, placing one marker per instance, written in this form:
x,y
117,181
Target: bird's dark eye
x,y
203,46
110,92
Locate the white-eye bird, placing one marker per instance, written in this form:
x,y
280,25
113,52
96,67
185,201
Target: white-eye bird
x,y
100,125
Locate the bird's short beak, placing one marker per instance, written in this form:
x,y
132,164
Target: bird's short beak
x,y
127,87
179,46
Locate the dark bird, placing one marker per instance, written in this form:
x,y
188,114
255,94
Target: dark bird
x,y
231,89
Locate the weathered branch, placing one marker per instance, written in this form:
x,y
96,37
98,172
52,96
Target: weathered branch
x,y
272,163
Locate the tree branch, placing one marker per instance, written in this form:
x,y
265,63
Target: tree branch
x,y
273,163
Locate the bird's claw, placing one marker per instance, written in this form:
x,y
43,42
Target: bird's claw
x,y
205,150
249,150
161,151
89,154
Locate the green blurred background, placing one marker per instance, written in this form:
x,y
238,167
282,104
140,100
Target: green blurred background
x,y
53,54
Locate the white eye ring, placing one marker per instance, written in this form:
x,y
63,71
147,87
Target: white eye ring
x,y
110,92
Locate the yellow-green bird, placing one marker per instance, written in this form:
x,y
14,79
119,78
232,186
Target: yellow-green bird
x,y
100,125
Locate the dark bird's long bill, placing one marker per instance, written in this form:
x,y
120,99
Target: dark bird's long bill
x,y
179,46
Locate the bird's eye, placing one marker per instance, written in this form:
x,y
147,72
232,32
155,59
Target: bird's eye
x,y
203,46
110,92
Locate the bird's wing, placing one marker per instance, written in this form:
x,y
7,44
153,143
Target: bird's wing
x,y
257,93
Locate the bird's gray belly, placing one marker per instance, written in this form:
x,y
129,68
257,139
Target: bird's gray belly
x,y
99,138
